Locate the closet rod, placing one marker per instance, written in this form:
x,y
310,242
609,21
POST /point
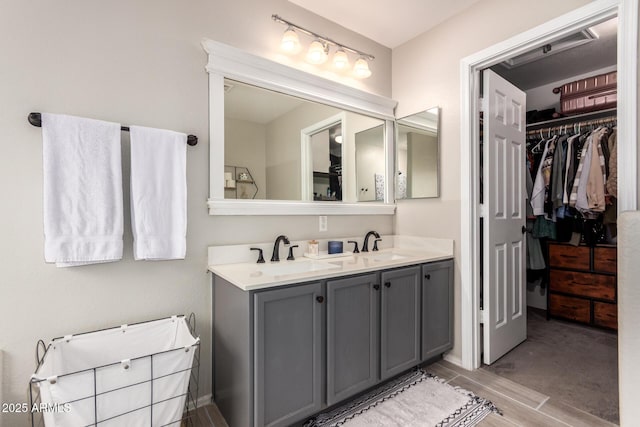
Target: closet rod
x,y
593,122
36,120
611,112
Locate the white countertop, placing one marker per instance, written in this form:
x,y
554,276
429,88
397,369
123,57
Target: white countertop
x,y
251,275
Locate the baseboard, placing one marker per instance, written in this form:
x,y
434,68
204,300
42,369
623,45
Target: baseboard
x,y
453,359
202,401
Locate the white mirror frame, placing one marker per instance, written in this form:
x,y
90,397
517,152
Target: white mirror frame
x,y
228,62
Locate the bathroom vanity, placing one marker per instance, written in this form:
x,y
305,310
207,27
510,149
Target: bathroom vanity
x,y
293,338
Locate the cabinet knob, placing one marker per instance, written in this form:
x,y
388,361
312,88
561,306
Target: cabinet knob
x,y
376,287
320,299
427,276
387,284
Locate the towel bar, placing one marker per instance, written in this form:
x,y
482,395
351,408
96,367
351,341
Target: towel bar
x,y
36,120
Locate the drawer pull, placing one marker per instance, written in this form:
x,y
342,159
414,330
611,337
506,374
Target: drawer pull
x,y
320,299
376,287
427,276
387,284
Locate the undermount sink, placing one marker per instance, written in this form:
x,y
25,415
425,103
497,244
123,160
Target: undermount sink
x,y
295,268
388,256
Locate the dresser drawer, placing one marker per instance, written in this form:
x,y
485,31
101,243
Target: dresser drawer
x,y
605,315
583,284
605,260
567,256
570,308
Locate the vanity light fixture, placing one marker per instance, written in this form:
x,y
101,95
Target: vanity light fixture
x,y
340,59
361,68
318,51
290,42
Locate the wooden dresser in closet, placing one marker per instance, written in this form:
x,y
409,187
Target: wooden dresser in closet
x,y
582,284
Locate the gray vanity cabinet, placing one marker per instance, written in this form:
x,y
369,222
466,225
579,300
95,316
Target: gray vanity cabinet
x,y
437,309
288,354
283,354
399,321
352,335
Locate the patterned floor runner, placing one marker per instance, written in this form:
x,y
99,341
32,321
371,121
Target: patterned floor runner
x,y
412,400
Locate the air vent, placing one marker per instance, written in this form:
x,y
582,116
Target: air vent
x,y
570,42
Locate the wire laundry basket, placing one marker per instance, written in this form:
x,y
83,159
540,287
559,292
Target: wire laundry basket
x,y
142,374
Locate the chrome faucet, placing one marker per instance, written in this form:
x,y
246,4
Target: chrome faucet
x,y
275,257
365,245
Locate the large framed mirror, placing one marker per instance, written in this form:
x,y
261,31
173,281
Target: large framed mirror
x,y
283,141
417,155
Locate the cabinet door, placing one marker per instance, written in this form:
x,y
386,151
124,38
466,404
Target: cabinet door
x,y
399,321
437,308
287,354
352,336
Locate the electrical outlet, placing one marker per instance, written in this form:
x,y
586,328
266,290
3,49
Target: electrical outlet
x,y
323,223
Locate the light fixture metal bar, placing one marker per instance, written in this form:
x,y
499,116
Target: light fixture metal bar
x,y
321,37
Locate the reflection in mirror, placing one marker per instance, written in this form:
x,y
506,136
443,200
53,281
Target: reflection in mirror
x,y
370,164
261,136
326,149
291,148
417,146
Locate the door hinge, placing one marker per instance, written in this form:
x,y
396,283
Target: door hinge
x,y
481,317
482,210
482,104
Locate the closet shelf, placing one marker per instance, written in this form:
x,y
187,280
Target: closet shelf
x,y
594,115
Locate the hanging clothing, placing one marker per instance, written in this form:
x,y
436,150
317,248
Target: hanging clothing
x,y
570,183
537,195
577,199
612,179
535,257
557,173
547,162
544,228
597,174
570,172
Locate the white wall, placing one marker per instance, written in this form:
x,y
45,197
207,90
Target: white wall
x,y
628,316
136,62
426,73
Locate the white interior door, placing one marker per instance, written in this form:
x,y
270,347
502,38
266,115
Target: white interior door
x,y
504,267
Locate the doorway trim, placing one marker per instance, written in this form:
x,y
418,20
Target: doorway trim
x,y
306,160
470,68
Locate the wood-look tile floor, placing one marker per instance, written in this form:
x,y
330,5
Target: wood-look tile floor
x,y
520,405
209,416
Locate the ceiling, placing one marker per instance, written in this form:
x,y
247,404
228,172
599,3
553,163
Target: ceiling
x,y
551,67
390,23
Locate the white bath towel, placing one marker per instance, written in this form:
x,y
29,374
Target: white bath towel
x,y
83,214
158,193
